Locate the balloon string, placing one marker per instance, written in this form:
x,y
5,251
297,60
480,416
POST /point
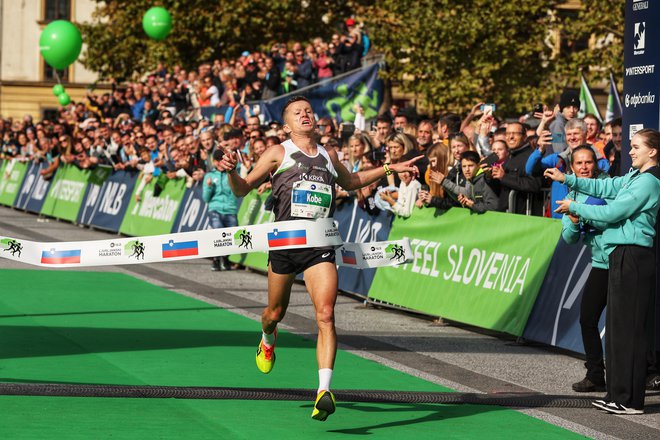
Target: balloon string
x,y
57,77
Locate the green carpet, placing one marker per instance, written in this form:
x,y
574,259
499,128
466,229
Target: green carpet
x,y
84,327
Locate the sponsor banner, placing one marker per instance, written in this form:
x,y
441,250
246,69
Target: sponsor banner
x,y
33,192
476,269
105,208
192,215
253,212
185,245
66,193
555,318
156,209
356,225
95,183
336,97
641,84
12,174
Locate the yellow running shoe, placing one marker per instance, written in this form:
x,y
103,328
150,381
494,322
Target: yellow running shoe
x,y
324,406
266,356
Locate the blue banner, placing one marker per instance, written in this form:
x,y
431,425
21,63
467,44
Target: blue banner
x,y
555,318
641,85
356,225
107,209
192,215
336,97
34,189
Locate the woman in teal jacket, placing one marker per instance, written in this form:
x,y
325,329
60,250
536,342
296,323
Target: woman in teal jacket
x,y
631,211
594,296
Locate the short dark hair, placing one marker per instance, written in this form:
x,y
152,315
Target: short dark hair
x,y
384,118
292,101
471,156
452,121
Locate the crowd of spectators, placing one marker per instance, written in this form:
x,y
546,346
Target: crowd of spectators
x,y
155,127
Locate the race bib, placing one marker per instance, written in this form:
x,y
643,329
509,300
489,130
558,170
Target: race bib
x,y
310,199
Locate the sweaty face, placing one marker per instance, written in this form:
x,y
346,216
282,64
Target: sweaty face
x,y
300,117
583,164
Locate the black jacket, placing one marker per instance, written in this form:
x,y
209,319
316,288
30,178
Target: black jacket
x,y
515,179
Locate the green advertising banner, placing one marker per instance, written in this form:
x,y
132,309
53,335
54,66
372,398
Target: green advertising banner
x,y
484,270
252,212
12,173
153,214
66,192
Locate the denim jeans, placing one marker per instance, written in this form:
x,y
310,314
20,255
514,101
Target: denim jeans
x,y
218,220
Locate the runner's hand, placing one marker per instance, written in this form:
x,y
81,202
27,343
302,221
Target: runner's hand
x,y
229,161
407,166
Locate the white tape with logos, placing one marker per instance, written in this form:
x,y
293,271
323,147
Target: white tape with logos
x,y
207,243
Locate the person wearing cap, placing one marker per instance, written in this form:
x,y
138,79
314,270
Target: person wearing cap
x,y
569,104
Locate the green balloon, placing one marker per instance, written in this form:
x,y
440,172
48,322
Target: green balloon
x,y
58,89
64,99
157,23
60,44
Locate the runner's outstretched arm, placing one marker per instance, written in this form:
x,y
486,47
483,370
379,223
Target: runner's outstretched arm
x,y
352,181
266,164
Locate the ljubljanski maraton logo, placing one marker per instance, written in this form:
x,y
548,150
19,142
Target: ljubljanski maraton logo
x,y
395,252
134,248
243,238
639,38
12,246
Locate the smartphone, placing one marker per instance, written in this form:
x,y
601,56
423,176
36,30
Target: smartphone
x,y
557,138
490,159
424,188
485,107
538,108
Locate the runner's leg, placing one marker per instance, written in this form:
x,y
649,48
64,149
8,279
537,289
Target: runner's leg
x,y
321,281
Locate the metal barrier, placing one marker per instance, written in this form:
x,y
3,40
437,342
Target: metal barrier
x,y
547,202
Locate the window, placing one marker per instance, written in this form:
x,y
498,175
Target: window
x,y
49,73
57,10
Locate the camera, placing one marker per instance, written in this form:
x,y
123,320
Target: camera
x,y
376,156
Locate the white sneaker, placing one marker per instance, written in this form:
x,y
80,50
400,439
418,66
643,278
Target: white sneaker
x,y
617,408
601,404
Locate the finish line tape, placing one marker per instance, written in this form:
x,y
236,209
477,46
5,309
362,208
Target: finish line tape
x,y
293,234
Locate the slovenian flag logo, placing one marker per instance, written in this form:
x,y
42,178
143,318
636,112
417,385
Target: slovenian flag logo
x,y
60,257
287,238
348,257
179,249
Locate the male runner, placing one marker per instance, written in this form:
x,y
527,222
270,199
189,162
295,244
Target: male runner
x,y
299,166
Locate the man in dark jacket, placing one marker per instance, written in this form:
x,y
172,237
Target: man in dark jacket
x,y
512,176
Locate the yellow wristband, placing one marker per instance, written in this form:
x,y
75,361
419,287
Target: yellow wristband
x,y
388,171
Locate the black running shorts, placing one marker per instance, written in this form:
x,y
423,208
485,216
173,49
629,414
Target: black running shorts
x,y
298,260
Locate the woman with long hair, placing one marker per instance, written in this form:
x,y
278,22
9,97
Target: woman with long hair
x,y
631,212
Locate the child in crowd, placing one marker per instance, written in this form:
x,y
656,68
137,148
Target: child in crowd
x,y
222,204
475,195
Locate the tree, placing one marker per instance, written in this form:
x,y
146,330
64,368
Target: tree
x,y
202,30
454,53
601,24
